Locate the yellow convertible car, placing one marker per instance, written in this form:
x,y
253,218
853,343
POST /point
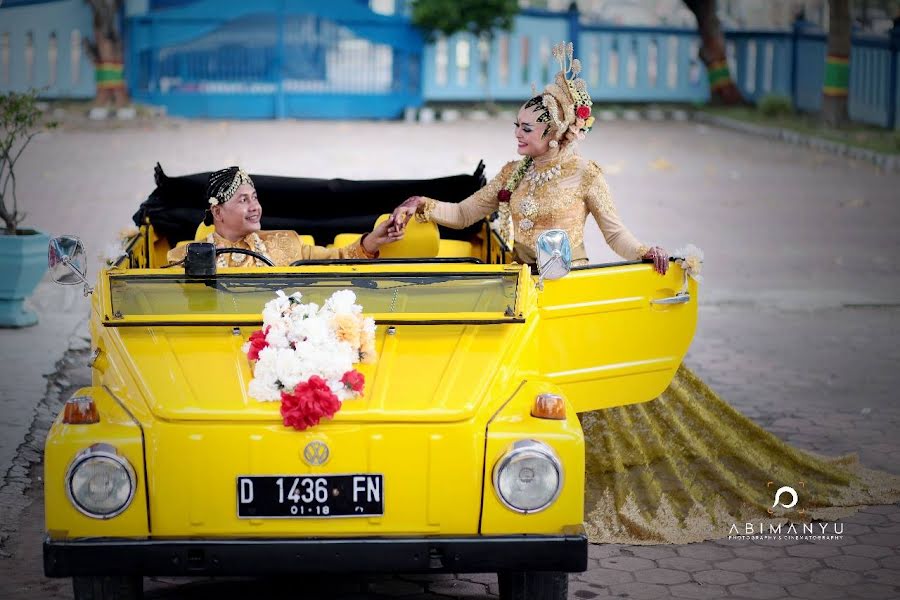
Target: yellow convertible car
x,y
464,453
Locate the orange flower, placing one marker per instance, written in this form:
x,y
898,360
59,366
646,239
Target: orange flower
x,y
348,328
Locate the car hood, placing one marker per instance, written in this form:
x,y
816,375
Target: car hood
x,y
422,372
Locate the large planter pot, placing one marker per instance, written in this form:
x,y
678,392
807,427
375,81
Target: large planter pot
x,y
23,262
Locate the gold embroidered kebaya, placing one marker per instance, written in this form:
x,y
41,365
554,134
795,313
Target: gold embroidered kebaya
x,y
559,191
281,247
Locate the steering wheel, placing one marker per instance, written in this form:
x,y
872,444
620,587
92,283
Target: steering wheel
x,y
247,252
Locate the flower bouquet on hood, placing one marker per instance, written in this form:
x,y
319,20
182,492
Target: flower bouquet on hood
x,y
304,355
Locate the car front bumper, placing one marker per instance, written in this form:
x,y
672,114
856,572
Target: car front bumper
x,y
475,554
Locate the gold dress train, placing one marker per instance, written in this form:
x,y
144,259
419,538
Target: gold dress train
x,y
686,466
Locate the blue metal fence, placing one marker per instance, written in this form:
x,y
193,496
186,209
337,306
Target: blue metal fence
x,y
41,46
275,58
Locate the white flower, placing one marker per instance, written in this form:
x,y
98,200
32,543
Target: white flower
x,y
689,250
690,259
264,385
288,369
343,302
277,308
263,391
369,326
278,335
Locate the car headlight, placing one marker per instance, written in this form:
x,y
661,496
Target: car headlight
x,y
529,477
100,483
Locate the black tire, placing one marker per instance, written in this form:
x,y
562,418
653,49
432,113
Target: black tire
x,y
108,588
533,585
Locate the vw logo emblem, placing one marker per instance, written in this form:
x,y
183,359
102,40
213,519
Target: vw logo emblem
x,y
316,453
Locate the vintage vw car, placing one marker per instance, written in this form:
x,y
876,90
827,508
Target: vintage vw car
x,y
465,454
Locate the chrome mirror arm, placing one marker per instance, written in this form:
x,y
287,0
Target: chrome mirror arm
x,y
556,256
88,290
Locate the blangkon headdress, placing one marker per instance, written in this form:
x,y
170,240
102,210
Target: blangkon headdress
x,y
224,183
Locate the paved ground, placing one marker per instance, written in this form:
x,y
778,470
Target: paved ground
x,y
799,317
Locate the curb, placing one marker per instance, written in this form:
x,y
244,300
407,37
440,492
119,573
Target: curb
x,y
885,162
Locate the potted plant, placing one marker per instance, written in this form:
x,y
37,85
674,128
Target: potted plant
x,y
23,252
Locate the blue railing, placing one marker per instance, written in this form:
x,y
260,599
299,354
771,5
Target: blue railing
x,y
41,46
655,64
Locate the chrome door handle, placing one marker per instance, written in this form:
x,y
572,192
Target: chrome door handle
x,y
676,299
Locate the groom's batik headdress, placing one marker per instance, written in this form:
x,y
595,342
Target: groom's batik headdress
x,y
224,183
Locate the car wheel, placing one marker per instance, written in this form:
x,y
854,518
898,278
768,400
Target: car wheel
x,y
108,588
533,585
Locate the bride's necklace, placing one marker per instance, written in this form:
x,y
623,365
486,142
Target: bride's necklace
x,y
535,179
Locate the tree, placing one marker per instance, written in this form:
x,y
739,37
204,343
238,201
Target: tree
x,y
20,121
837,64
481,18
107,52
712,52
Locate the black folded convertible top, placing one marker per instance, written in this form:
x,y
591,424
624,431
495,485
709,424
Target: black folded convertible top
x,y
318,207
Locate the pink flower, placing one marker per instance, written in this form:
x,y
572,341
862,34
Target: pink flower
x,y
308,403
257,343
354,380
583,112
504,195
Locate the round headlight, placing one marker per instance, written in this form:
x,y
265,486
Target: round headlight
x,y
529,477
100,483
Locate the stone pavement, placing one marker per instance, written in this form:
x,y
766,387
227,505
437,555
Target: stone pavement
x,y
799,313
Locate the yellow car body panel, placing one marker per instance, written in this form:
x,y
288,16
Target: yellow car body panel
x,y
193,489
567,441
116,428
606,341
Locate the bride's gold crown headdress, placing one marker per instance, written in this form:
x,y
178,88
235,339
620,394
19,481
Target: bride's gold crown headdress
x,y
566,101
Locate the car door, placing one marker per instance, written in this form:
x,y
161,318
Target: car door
x,y
614,334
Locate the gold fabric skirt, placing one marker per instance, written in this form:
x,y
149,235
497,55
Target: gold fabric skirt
x,y
687,467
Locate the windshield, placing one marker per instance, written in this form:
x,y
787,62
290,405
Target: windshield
x,y
245,294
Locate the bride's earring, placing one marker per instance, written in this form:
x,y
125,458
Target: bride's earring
x,y
554,143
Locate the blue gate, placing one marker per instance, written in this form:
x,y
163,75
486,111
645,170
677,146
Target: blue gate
x,y
274,58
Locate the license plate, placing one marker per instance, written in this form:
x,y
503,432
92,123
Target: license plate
x,y
309,496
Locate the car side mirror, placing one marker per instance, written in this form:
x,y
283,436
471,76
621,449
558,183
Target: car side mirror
x,y
554,255
67,261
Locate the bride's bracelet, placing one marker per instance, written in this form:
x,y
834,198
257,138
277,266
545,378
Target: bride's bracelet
x,y
425,210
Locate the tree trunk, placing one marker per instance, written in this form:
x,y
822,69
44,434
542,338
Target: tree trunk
x,y
722,88
107,53
837,64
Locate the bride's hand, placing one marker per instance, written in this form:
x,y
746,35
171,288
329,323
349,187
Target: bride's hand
x,y
660,259
379,236
403,213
